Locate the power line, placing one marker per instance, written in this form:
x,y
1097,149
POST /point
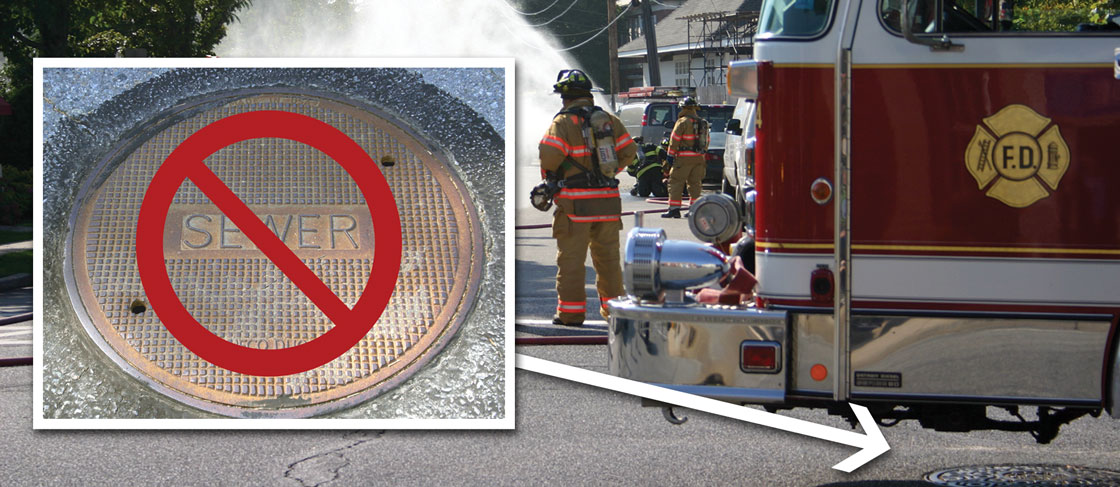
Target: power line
x,y
554,2
573,4
577,46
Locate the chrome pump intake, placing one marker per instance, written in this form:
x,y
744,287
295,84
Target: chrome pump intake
x,y
659,270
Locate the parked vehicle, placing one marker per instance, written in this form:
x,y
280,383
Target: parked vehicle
x,y
650,112
738,155
717,117
936,226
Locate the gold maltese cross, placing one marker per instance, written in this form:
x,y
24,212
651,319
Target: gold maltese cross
x,y
1022,152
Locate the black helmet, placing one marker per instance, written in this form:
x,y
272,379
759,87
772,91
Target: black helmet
x,y
572,83
665,142
542,194
687,101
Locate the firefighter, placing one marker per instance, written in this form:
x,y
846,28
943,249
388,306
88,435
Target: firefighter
x,y
647,171
687,145
584,148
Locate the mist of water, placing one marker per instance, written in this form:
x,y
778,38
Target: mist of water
x,y
413,28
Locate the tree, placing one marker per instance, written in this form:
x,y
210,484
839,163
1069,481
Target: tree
x,y
64,28
1061,15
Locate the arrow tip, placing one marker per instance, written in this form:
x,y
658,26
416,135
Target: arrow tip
x,y
874,443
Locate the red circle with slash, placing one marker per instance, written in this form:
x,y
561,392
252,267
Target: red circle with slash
x,y
186,162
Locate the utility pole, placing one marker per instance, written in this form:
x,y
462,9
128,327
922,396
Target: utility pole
x,y
651,44
612,49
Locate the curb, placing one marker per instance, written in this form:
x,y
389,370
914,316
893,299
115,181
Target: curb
x,y
15,281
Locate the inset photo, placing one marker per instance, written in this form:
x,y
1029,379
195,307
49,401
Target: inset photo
x,y
277,239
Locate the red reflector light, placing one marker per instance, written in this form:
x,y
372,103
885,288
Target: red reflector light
x,y
821,191
821,283
645,120
759,356
818,372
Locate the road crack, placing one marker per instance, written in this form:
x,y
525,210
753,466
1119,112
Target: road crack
x,y
51,105
326,467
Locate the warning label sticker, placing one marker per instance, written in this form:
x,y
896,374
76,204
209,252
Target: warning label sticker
x,y
878,379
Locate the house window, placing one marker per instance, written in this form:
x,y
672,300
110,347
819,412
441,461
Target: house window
x,y
682,68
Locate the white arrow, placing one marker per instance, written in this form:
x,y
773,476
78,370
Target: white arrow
x,y
872,443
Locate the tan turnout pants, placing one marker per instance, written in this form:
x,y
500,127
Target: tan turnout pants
x,y
572,242
686,171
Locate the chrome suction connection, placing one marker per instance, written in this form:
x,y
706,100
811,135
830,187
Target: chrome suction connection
x,y
659,270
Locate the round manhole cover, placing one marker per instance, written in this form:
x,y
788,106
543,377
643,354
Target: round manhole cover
x,y
242,295
1025,476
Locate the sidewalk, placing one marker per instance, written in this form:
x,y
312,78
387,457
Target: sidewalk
x,y
15,338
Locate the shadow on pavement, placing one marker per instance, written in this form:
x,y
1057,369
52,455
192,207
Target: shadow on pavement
x,y
880,483
551,330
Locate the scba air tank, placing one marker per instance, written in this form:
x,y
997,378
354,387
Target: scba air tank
x,y
603,131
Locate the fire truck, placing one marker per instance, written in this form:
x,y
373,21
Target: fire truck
x,y
934,225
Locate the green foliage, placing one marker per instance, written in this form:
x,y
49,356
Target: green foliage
x,y
1061,15
15,196
19,262
12,236
64,28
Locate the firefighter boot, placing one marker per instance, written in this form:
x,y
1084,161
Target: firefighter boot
x,y
673,213
557,321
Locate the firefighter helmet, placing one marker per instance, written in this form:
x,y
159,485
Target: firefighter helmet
x,y
572,83
687,102
542,194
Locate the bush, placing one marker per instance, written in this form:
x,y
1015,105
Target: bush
x,y
15,196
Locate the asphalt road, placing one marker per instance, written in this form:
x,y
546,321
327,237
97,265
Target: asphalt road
x,y
567,434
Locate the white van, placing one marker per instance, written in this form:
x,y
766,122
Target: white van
x,y
650,120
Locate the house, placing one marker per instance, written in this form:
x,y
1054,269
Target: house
x,y
694,45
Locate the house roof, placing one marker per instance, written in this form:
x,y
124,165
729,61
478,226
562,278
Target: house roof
x,y
672,32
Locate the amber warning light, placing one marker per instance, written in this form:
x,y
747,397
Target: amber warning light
x,y
742,79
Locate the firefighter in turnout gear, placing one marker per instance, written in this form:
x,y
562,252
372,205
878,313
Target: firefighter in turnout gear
x,y
687,146
583,149
647,171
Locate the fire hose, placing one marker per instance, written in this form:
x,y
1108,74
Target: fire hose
x,y
625,213
562,340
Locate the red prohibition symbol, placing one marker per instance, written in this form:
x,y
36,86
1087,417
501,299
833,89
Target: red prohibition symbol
x,y
186,162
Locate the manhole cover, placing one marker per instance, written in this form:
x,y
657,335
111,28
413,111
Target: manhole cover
x,y
240,294
1025,476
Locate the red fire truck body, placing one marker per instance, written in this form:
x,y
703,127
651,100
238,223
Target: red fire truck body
x,y
966,253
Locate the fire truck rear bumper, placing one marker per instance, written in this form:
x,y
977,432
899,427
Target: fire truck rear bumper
x,y
718,352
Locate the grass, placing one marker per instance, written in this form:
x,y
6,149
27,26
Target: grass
x,y
9,236
15,263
